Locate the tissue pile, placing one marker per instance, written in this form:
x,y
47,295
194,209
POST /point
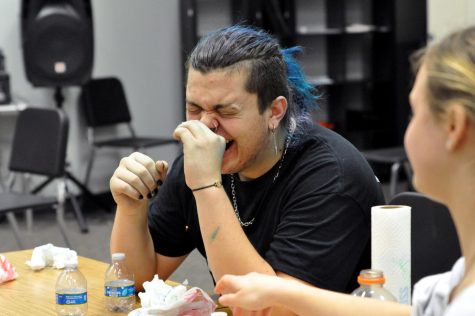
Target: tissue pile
x,y
162,299
7,270
49,255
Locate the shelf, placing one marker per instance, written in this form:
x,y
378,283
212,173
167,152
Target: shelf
x,y
212,14
355,52
318,30
320,80
326,81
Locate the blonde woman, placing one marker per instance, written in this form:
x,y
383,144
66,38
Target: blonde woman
x,y
440,142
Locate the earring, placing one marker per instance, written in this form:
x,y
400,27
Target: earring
x,y
275,140
448,143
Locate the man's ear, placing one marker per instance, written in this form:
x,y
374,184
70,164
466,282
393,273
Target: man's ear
x,y
457,125
277,111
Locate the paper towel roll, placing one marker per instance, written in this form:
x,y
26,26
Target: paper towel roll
x,y
391,248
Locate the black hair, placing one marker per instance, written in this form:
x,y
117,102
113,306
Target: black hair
x,y
272,71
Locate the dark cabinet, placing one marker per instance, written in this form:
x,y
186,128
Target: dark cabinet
x,y
355,52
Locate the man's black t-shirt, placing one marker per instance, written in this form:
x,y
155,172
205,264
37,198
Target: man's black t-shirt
x,y
312,222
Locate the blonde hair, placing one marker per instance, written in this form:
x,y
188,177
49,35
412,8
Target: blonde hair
x,y
450,66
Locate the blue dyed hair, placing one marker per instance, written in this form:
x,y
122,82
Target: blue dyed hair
x,y
302,91
273,71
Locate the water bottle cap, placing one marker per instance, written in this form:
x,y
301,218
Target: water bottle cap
x,y
371,276
70,265
118,256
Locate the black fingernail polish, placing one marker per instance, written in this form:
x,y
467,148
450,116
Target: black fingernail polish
x,y
155,191
159,182
140,197
149,196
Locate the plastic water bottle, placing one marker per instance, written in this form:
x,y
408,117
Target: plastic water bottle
x,y
119,286
371,285
71,292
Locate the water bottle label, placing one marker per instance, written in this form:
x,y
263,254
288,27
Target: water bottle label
x,y
119,291
71,299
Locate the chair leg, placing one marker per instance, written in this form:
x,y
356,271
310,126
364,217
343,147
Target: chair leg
x,y
408,170
77,211
29,220
394,178
89,166
16,231
25,183
87,193
62,223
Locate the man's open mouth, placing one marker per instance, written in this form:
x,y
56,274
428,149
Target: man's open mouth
x,y
229,143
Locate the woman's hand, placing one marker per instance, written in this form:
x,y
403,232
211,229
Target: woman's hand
x,y
250,292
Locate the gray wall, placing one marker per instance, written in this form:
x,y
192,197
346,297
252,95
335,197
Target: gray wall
x,y
138,41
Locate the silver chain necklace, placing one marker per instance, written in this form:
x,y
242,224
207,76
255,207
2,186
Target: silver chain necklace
x,y
233,187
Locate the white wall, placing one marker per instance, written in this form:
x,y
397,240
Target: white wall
x,y
138,41
446,16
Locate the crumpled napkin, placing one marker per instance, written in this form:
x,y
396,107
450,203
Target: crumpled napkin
x,y
7,270
162,299
49,255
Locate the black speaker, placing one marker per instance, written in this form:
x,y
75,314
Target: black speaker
x,y
58,41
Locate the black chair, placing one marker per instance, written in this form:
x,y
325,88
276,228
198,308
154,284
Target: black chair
x,y
396,158
434,241
39,149
104,104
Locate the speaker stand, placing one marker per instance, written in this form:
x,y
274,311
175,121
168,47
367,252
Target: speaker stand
x,y
76,208
58,97
59,100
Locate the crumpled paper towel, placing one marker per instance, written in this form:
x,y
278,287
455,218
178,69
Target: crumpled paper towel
x,y
7,270
49,255
162,299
